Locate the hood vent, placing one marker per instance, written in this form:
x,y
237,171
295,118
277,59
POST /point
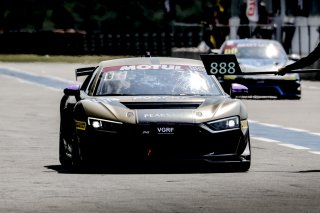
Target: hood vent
x,y
161,105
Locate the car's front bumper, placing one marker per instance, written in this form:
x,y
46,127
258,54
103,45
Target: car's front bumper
x,y
189,142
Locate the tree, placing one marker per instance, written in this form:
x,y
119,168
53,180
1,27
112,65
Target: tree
x,y
98,15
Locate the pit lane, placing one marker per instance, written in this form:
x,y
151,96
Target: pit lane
x,y
282,179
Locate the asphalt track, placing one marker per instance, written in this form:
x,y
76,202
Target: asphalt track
x,y
284,176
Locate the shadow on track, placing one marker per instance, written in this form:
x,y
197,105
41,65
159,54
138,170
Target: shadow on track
x,y
309,171
146,168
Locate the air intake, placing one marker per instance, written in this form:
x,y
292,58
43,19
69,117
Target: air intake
x,y
161,105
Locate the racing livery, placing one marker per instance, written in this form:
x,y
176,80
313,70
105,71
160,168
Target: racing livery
x,y
261,55
156,108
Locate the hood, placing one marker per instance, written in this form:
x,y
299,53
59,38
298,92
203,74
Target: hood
x,y
250,65
161,109
262,62
263,65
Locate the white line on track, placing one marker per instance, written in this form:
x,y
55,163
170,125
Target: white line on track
x,y
32,83
284,144
270,125
286,128
315,133
317,153
296,129
265,139
311,87
37,75
294,146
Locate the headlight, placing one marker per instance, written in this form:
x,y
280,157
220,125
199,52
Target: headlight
x,y
225,124
101,124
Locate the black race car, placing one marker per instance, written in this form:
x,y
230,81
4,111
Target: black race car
x,y
152,108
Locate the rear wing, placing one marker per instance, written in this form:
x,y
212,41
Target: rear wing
x,y
84,71
225,64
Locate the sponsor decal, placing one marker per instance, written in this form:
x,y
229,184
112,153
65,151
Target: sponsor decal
x,y
115,76
81,125
152,67
105,100
160,98
244,124
165,130
158,130
158,115
146,132
196,68
252,45
230,50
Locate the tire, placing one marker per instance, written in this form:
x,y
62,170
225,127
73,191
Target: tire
x,y
242,167
69,153
64,159
75,153
79,157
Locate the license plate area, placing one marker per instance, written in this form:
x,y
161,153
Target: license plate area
x,y
158,129
165,130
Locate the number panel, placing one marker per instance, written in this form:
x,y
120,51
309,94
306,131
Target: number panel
x,y
221,65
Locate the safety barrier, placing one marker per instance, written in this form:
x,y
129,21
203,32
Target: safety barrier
x,y
79,43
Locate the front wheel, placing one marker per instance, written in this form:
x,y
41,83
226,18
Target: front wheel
x,y
242,167
79,156
65,156
69,152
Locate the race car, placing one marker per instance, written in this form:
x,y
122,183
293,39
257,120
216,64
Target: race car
x,y
261,55
154,109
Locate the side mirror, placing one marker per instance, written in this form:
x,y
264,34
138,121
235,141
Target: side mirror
x,y
238,89
72,90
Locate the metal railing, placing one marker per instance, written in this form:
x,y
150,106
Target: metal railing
x,y
295,39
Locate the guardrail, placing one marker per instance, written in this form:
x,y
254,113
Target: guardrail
x,y
78,43
158,43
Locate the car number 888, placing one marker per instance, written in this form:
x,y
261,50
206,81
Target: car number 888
x,y
222,68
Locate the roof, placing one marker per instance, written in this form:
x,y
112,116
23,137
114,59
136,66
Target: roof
x,y
252,40
151,61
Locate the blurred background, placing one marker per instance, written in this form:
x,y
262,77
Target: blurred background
x,y
124,27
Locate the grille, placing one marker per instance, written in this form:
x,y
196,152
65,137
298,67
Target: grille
x,y
161,105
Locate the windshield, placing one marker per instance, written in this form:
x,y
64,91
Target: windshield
x,y
256,51
156,82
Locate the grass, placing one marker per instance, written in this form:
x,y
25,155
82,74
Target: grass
x,y
87,59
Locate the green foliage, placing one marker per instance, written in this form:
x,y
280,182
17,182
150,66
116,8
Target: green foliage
x,y
97,15
190,11
56,58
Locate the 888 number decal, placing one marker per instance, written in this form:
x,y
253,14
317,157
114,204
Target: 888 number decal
x,y
222,68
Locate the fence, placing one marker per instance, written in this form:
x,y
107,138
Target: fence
x,y
158,43
77,43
